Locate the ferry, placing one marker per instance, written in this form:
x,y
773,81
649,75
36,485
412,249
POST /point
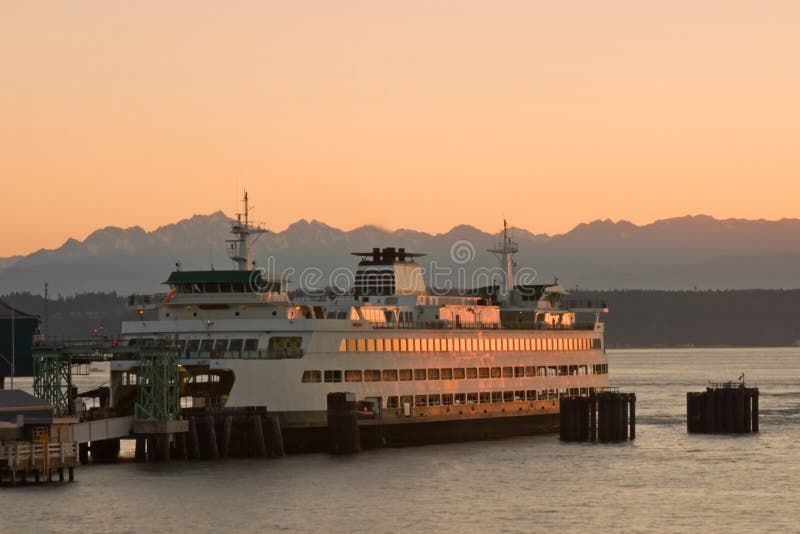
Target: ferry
x,y
423,367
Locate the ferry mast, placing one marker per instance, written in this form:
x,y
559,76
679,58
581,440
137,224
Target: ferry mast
x,y
240,250
506,248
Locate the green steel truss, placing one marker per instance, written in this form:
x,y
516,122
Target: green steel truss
x,y
158,385
52,380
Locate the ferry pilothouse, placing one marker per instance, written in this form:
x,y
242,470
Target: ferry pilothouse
x,y
424,367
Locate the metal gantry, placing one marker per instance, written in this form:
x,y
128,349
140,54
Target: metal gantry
x,y
158,383
52,379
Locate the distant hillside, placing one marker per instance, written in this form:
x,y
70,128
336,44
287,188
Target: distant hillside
x,y
750,318
679,253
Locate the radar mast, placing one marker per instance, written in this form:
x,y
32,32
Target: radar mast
x,y
506,248
240,250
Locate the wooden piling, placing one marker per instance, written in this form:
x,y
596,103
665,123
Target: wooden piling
x,y
593,417
755,409
194,441
258,436
211,436
140,455
227,428
275,437
632,416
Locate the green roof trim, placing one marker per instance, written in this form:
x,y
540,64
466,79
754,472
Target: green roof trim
x,y
212,277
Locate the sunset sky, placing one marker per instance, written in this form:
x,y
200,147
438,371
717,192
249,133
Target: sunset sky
x,y
409,114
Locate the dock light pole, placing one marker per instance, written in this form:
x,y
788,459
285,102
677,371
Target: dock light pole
x,y
13,349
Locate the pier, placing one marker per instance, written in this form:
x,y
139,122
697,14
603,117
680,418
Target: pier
x,y
604,416
723,408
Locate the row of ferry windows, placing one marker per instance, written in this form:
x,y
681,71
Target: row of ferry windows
x,y
464,344
447,373
484,397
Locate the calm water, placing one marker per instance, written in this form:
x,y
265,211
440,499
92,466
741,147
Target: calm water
x,y
665,481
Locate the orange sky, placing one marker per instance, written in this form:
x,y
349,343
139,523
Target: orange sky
x,y
407,114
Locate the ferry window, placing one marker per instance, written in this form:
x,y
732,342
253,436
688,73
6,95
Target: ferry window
x,y
539,344
396,345
417,345
447,399
573,370
446,373
437,345
361,344
472,398
353,375
508,396
351,345
462,345
516,344
474,344
403,345
405,375
389,375
421,400
530,370
508,372
497,396
433,374
220,345
563,370
450,345
370,345
527,344
379,345
563,393
252,344
530,395
372,375
584,392
392,402
194,344
333,376
485,397
207,345
519,395
492,344
596,343
423,345
342,345
542,394
460,398
582,370
504,344
472,372
483,372
434,400
420,374
312,376
519,371
497,372
552,370
407,399
541,371
458,373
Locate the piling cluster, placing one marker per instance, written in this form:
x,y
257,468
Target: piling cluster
x,y
343,433
605,416
726,408
217,433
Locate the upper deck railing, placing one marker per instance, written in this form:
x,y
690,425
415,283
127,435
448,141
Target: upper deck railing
x,y
449,325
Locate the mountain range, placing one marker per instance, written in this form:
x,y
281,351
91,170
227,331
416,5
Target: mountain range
x,y
678,253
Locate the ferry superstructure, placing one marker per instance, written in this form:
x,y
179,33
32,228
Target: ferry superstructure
x,y
424,367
